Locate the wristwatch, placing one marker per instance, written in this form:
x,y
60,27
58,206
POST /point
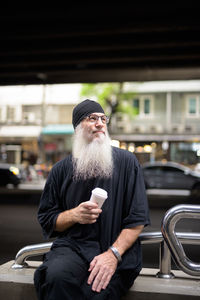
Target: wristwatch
x,y
116,253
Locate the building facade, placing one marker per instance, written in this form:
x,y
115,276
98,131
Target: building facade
x,y
166,124
35,122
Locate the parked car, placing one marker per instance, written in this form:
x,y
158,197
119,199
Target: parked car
x,y
197,167
9,174
170,175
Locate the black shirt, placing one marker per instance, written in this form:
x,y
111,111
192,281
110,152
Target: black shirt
x,y
125,207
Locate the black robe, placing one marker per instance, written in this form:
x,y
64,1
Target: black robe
x,y
125,207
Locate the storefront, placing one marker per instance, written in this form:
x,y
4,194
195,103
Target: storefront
x,y
182,149
55,142
19,144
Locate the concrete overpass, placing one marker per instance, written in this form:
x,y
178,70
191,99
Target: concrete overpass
x,y
99,42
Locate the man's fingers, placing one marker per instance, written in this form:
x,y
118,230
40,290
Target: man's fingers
x,y
85,209
88,214
91,212
89,205
99,277
102,268
93,273
92,264
106,282
88,219
101,280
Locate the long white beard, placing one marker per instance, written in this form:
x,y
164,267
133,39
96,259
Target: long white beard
x,y
91,159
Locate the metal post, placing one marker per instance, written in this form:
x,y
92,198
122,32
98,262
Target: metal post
x,y
164,262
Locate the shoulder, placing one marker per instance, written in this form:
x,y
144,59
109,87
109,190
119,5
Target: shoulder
x,y
125,161
124,155
62,165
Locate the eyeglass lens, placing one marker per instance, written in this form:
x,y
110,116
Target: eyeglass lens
x,y
95,118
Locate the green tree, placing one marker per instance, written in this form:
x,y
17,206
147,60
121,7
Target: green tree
x,y
111,97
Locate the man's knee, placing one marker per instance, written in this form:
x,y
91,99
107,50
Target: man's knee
x,y
54,275
62,268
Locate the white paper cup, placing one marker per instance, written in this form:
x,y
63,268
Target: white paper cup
x,y
99,196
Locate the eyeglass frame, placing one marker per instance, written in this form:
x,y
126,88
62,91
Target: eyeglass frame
x,y
97,118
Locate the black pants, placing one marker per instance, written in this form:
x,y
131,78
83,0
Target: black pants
x,y
64,274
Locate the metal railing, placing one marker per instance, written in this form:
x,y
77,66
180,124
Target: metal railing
x,y
172,239
169,243
30,251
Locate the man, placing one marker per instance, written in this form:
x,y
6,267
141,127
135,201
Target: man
x,y
97,253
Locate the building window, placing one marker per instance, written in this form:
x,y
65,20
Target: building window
x,y
3,113
11,113
193,106
199,106
136,106
143,106
146,106
31,114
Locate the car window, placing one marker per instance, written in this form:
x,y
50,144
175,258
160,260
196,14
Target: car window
x,y
172,170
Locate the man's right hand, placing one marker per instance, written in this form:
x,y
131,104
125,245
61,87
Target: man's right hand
x,y
86,213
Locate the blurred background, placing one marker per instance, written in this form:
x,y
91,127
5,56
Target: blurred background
x,y
141,61
157,121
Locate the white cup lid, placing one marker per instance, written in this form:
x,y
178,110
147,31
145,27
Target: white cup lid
x,y
100,192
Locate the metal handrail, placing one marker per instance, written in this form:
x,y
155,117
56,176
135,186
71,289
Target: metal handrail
x,y
145,238
172,239
42,248
30,251
170,243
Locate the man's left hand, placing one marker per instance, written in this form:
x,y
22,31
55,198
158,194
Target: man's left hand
x,y
102,268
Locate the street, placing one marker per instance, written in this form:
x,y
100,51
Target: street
x,y
19,226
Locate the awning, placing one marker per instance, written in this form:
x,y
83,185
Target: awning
x,y
58,129
20,131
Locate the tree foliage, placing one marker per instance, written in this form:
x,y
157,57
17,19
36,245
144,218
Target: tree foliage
x,y
111,97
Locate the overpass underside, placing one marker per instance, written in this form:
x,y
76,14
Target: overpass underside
x,y
97,42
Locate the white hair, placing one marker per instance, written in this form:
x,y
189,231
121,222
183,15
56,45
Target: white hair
x,y
91,159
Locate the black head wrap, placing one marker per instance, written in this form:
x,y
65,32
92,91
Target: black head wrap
x,y
84,109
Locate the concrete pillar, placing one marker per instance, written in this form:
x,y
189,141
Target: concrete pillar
x,y
168,111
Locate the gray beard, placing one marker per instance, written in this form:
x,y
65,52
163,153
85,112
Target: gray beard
x,y
91,160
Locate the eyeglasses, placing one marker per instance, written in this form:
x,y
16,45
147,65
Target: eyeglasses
x,y
95,119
